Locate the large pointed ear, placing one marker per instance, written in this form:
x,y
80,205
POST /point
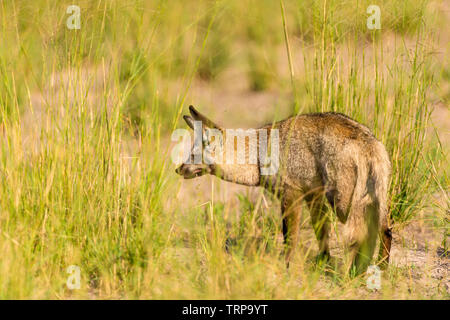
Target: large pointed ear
x,y
199,117
189,121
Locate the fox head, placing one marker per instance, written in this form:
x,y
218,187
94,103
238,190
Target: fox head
x,y
195,168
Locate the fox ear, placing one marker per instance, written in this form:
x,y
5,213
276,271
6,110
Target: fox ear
x,y
199,117
189,121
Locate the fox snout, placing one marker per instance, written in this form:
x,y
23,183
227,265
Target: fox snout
x,y
192,171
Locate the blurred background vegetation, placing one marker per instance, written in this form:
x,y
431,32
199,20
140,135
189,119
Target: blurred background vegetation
x,y
86,117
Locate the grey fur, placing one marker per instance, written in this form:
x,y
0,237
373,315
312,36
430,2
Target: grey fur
x,y
324,157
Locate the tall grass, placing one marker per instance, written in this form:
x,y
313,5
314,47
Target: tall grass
x,y
389,94
84,156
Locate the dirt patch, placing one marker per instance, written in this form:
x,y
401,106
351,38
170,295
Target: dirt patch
x,y
417,250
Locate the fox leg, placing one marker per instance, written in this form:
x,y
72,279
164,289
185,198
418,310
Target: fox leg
x,y
362,237
321,224
291,210
385,243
